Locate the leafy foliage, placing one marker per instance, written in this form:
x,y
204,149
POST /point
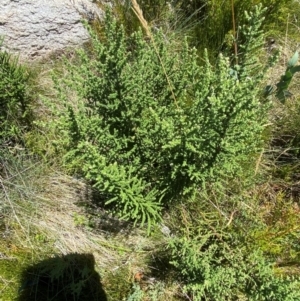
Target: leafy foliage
x,y
142,141
217,259
282,86
285,80
13,94
216,266
137,295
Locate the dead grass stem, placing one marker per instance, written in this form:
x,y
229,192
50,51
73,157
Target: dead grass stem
x,y
139,13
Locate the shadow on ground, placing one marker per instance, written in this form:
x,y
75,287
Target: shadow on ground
x,y
69,277
94,205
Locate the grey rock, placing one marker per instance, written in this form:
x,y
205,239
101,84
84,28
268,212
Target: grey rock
x,y
34,29
165,230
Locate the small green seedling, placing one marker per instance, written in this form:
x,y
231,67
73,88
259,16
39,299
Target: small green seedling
x,y
282,92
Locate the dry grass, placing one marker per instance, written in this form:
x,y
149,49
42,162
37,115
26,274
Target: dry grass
x,y
48,212
43,219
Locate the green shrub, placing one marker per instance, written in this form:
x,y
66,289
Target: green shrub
x,y
218,266
13,94
150,124
218,258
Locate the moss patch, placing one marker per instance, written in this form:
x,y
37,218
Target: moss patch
x,y
13,259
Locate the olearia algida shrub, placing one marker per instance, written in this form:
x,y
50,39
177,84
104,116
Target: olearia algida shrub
x,y
151,124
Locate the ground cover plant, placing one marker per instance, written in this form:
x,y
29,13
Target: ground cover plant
x,y
218,259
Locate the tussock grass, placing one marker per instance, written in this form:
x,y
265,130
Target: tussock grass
x,y
41,218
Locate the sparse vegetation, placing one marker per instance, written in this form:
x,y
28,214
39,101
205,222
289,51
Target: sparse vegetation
x,y
147,170
14,97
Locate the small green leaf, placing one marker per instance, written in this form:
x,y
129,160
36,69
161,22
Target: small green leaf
x,y
293,61
295,69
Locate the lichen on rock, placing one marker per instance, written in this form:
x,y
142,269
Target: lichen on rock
x,y
35,29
